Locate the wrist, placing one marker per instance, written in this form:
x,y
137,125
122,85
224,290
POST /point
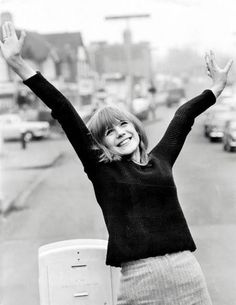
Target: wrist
x,y
15,62
21,67
218,88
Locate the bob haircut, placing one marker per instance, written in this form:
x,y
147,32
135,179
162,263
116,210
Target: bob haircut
x,y
106,117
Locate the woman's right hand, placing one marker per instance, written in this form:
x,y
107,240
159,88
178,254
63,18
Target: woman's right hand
x,y
11,48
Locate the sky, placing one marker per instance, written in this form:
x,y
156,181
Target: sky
x,y
198,24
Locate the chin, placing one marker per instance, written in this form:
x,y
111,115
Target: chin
x,y
128,152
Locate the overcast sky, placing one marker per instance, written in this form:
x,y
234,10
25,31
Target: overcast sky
x,y
201,24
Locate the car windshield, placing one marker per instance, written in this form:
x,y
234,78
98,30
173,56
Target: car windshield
x,y
6,119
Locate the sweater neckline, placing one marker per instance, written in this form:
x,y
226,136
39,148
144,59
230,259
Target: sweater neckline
x,y
140,164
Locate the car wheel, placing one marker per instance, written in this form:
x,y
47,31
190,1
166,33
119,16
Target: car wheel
x,y
228,148
28,136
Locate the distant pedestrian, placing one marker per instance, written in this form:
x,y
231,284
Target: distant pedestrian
x,y
152,99
148,234
23,140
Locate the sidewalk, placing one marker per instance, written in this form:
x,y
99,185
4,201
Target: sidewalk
x,y
23,169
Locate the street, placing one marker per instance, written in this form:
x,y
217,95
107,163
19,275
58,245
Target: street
x,y
63,207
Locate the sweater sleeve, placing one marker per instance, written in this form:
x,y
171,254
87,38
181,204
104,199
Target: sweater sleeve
x,y
64,112
173,140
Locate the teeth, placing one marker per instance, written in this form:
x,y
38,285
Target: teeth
x,y
124,142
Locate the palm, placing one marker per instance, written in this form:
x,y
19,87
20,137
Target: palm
x,y
12,46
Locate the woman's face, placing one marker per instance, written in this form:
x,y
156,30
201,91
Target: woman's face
x,y
122,138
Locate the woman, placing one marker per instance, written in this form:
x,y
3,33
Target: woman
x,y
148,234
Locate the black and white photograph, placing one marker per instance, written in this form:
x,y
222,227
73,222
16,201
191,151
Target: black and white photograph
x,y
117,152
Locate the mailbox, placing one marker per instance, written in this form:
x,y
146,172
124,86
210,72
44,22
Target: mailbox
x,y
73,272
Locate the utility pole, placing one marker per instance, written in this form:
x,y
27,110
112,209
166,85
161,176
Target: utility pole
x,y
128,48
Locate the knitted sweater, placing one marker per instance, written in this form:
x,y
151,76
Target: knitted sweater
x,y
139,203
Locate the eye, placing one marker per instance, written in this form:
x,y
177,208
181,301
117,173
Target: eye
x,y
109,131
123,123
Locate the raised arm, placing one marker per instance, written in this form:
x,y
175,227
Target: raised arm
x,y
172,142
62,109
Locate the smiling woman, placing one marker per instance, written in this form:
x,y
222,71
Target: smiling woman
x,y
118,133
148,235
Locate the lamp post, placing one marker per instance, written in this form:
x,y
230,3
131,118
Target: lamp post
x,y
128,48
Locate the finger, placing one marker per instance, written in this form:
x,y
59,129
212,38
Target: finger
x,y
11,29
22,38
8,32
207,59
212,58
4,31
209,74
208,71
212,55
228,66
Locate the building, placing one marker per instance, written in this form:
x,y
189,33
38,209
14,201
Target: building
x,y
61,57
131,61
126,58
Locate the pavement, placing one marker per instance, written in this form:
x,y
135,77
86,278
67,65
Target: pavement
x,y
22,170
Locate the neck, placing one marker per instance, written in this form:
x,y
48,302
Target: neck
x,y
136,157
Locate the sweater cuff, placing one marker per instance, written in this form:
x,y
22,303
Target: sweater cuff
x,y
33,78
210,95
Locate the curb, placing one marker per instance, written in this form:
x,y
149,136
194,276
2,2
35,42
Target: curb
x,y
17,202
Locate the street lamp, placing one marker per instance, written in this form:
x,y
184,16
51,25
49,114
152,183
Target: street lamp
x,y
128,47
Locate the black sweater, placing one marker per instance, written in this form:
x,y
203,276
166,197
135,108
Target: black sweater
x,y
139,203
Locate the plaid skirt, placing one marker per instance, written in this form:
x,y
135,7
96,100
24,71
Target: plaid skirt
x,y
172,279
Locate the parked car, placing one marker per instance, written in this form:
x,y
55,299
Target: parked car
x,y
12,127
175,97
217,124
211,113
229,138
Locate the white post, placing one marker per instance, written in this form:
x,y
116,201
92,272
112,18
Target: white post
x,y
73,272
1,175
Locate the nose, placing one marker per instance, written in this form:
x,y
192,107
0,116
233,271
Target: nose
x,y
119,131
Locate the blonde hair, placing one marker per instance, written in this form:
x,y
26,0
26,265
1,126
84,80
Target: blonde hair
x,y
105,118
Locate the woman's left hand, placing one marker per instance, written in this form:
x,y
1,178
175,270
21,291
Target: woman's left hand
x,y
219,75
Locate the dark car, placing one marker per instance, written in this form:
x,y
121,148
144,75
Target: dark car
x,y
217,124
211,113
229,138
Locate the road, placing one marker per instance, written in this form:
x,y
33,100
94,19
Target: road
x,y
205,177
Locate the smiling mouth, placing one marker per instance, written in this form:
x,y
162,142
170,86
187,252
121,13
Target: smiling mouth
x,y
124,142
